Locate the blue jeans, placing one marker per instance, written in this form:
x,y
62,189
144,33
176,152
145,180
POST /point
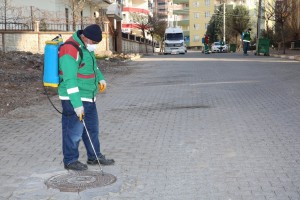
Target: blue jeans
x,y
246,47
73,131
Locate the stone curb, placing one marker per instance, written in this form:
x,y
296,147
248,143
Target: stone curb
x,y
294,57
136,57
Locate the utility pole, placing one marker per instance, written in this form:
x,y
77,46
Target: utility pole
x,y
258,26
31,16
224,37
5,8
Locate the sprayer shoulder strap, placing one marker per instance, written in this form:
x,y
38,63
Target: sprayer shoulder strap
x,y
77,47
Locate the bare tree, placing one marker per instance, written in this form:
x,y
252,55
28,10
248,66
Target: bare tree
x,y
158,24
280,11
76,7
142,22
9,13
293,24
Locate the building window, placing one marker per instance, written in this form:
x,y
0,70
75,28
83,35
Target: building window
x,y
196,4
196,26
196,15
207,14
196,38
207,2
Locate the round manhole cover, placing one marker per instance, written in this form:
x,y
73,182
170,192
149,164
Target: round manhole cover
x,y
77,181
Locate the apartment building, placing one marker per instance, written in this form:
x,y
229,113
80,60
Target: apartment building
x,y
164,7
193,17
161,6
142,8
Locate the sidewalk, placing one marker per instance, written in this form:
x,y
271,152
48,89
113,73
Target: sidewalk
x,y
180,127
289,54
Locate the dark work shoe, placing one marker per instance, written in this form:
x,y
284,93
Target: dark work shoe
x,y
102,160
77,166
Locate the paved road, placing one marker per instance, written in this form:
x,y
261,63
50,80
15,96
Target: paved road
x,y
180,127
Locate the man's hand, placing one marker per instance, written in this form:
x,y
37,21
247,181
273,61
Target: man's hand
x,y
102,85
79,112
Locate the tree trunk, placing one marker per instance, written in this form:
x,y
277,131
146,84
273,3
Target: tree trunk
x,y
144,35
283,38
74,22
152,43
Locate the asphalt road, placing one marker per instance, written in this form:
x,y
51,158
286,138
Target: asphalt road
x,y
180,127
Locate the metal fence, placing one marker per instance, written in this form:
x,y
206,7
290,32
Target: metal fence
x,y
42,26
16,26
61,27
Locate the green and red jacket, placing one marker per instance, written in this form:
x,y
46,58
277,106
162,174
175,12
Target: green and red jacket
x,y
246,36
79,77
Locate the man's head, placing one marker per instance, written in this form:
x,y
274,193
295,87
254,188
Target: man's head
x,y
92,34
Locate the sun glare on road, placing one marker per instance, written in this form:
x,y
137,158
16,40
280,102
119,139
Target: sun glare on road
x,y
216,59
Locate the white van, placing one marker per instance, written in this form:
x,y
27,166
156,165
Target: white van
x,y
174,41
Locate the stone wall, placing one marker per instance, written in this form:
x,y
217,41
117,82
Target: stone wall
x,y
135,47
35,42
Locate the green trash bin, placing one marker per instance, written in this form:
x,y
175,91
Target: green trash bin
x,y
232,48
263,46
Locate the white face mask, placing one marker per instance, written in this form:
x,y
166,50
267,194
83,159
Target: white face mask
x,y
91,47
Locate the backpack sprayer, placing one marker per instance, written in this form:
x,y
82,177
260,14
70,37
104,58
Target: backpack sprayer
x,y
50,76
51,65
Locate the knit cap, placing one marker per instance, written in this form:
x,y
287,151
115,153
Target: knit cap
x,y
93,32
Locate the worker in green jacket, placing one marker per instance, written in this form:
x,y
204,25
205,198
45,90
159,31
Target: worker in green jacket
x,y
246,41
80,81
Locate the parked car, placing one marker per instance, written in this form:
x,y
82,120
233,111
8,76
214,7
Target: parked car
x,y
157,48
218,47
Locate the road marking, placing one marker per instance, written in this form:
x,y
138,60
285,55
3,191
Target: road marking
x,y
223,82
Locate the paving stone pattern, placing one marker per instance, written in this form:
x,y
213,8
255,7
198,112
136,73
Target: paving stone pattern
x,y
180,127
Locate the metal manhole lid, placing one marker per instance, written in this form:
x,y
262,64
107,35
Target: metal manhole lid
x,y
77,181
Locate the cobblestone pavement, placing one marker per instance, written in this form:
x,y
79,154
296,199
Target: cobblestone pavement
x,y
180,127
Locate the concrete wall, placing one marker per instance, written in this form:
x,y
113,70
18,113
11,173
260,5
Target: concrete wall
x,y
35,42
135,47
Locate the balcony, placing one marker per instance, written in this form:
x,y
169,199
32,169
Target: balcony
x,y
100,1
186,33
180,1
135,10
185,22
184,11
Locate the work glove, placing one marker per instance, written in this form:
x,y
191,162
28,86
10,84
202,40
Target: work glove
x,y
79,112
102,85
